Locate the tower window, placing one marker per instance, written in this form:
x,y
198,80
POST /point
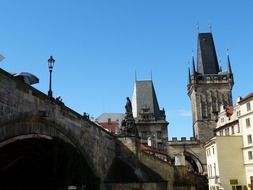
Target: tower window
x,y
144,135
159,134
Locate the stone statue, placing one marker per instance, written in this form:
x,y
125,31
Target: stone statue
x,y
128,107
128,123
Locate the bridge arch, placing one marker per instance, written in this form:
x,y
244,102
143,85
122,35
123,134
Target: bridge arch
x,y
194,163
43,147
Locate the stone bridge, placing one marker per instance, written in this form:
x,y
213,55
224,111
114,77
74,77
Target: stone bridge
x,y
46,145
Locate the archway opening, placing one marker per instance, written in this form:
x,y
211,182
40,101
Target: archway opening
x,y
193,163
39,163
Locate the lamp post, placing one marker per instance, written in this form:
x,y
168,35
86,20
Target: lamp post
x,y
50,67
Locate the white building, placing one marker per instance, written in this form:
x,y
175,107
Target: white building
x,y
230,153
246,123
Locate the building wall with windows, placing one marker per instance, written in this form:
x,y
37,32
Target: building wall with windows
x,y
233,122
213,165
225,164
246,123
228,123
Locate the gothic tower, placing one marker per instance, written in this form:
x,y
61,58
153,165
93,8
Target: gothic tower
x,y
150,120
208,88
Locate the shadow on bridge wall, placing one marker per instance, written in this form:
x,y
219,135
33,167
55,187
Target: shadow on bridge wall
x,y
128,172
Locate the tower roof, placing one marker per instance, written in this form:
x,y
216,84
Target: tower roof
x,y
207,58
144,96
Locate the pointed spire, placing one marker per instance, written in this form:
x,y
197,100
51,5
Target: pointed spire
x,y
207,59
210,27
189,76
228,62
197,27
193,65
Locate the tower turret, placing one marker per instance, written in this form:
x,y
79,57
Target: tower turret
x,y
229,65
193,66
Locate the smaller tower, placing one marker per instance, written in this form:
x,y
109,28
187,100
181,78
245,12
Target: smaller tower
x,y
150,120
208,88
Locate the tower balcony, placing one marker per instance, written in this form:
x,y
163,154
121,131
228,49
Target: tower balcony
x,y
211,78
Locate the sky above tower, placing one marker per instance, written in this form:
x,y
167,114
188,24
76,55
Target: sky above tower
x,y
98,45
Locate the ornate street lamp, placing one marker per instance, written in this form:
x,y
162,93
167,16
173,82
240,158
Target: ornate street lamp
x,y
50,67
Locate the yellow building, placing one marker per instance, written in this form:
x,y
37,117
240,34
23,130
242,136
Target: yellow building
x,y
225,163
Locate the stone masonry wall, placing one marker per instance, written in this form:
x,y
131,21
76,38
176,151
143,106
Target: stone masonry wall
x,y
25,110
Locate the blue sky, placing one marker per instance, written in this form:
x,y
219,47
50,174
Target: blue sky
x,y
99,44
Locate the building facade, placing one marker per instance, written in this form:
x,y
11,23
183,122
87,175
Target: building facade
x,y
233,143
245,115
225,163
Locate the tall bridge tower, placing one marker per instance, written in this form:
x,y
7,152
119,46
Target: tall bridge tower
x,y
208,88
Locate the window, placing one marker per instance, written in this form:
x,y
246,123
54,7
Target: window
x,y
238,129
159,134
250,156
248,106
160,146
232,130
222,119
211,173
208,152
214,169
221,133
144,134
238,113
248,122
213,149
227,132
209,170
249,137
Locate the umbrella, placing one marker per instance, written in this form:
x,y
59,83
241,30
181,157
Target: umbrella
x,y
28,78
